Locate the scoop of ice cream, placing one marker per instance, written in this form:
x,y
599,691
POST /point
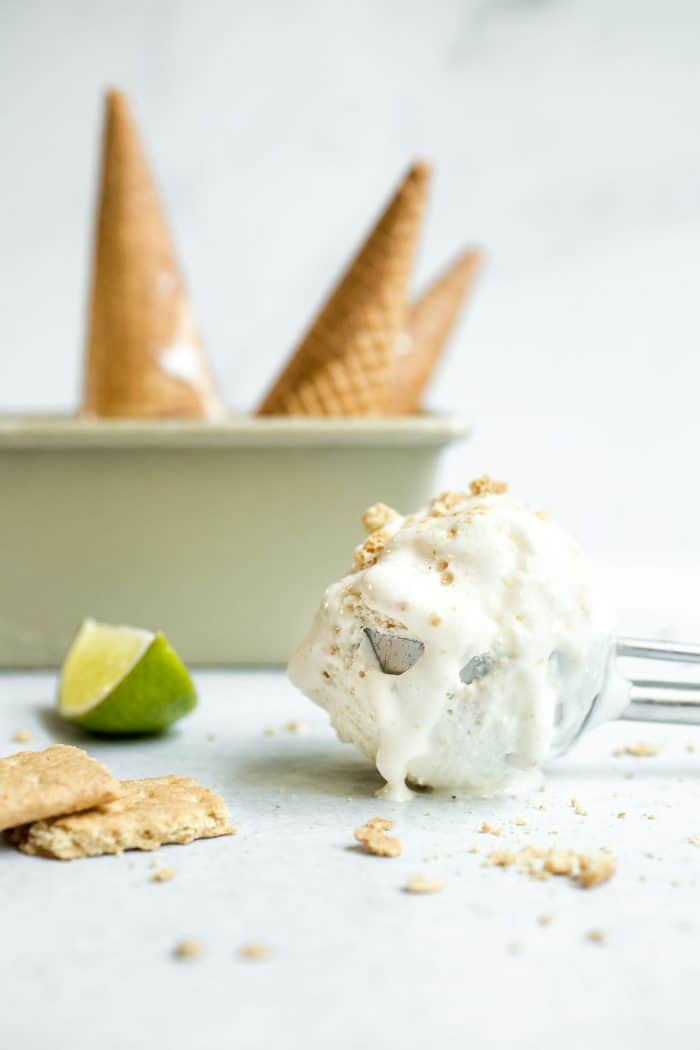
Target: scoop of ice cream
x,y
510,633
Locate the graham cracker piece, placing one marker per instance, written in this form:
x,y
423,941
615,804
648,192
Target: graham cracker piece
x,y
35,785
148,814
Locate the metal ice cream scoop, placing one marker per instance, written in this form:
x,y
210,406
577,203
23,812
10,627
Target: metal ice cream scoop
x,y
586,696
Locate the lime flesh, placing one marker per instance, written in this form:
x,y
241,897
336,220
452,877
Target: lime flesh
x,y
120,680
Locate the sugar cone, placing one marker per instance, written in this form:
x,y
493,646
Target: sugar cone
x,y
343,365
144,357
430,321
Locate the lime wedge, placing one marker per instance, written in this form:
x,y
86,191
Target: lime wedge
x,y
123,680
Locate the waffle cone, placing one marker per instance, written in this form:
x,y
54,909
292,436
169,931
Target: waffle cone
x,y
343,365
144,357
430,322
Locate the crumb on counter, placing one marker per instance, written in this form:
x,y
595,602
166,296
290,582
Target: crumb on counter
x,y
545,920
255,951
578,808
163,875
373,838
597,936
595,868
490,829
22,736
188,948
638,749
560,862
421,884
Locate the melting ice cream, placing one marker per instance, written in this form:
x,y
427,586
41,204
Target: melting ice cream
x,y
468,638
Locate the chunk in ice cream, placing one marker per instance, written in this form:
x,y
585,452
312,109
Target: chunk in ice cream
x,y
463,639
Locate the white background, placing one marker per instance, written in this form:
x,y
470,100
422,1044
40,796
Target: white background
x,y
564,136
565,139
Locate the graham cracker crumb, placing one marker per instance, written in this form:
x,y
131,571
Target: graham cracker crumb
x,y
597,936
378,516
490,829
163,875
447,577
379,823
22,736
188,949
541,864
520,822
501,858
595,869
435,619
368,553
578,808
297,727
421,884
446,503
255,951
560,862
694,840
374,839
486,486
640,749
545,920
622,814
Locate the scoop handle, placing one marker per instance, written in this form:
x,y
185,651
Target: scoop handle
x,y
645,649
675,702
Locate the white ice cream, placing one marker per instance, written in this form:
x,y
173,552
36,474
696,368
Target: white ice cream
x,y
516,636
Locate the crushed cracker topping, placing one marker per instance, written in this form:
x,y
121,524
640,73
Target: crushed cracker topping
x,y
378,516
447,577
421,884
446,503
368,554
435,619
486,486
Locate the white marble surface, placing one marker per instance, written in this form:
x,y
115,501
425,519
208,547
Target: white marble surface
x,y
87,945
